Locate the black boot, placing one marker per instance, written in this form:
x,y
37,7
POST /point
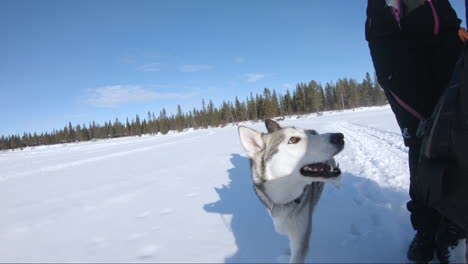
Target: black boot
x,y
450,243
422,248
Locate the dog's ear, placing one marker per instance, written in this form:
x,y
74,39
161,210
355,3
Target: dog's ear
x,y
312,132
271,125
251,140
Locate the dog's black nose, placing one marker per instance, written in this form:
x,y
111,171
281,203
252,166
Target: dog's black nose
x,y
337,139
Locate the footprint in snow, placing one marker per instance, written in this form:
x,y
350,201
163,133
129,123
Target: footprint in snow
x,y
147,251
143,214
166,211
96,244
89,209
135,236
97,241
21,229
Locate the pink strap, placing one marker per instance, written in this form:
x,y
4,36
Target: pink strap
x,y
407,107
436,17
397,12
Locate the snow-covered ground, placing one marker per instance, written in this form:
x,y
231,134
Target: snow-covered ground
x,y
188,197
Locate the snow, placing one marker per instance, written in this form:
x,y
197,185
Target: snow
x,y
188,197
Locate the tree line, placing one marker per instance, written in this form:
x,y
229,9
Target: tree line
x,y
306,98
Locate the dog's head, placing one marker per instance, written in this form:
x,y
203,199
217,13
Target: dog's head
x,y
291,152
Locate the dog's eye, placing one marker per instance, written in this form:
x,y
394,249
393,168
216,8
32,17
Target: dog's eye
x,y
294,140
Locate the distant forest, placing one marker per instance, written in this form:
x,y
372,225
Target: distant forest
x,y
306,98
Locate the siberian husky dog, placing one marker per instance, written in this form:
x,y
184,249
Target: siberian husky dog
x,y
289,168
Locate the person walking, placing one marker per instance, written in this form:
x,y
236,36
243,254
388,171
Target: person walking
x,y
414,45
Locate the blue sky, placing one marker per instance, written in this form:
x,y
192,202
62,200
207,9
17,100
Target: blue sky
x,y
83,60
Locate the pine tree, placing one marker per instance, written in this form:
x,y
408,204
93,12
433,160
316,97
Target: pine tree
x,y
163,122
267,104
314,97
71,133
352,94
79,133
299,99
144,127
85,133
138,129
240,110
252,108
3,143
211,116
366,95
275,104
155,124
288,103
340,93
128,128
203,119
179,119
378,93
150,124
321,98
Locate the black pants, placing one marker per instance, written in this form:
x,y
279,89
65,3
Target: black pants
x,y
413,72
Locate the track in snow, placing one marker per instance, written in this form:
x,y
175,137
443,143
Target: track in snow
x,y
380,154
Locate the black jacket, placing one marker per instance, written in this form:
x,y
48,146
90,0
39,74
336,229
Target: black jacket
x,y
420,22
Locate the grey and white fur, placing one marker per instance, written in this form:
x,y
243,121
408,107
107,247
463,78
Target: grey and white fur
x,y
289,168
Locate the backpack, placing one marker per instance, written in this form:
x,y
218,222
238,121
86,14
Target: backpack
x,y
443,159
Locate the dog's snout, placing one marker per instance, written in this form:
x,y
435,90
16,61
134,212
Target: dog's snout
x,y
337,139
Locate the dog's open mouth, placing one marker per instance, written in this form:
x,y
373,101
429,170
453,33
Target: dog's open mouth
x,y
320,170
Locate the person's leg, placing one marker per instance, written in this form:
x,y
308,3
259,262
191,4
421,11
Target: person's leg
x,y
402,70
422,217
425,220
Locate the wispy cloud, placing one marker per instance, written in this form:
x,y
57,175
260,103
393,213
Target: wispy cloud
x,y
287,85
116,95
239,60
152,67
253,77
194,68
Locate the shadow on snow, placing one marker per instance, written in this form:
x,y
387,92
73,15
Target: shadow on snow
x,y
359,222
